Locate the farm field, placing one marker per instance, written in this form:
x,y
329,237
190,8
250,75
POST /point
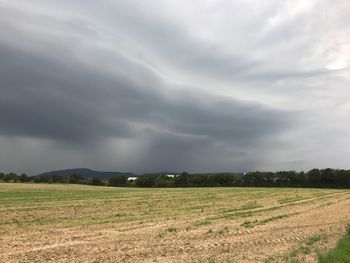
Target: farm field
x,y
76,223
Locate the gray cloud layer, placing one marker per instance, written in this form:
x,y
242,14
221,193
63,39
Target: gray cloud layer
x,y
177,86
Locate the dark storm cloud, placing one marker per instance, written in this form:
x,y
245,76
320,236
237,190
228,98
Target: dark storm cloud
x,y
72,102
42,98
136,86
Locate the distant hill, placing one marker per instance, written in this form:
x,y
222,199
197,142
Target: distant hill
x,y
86,173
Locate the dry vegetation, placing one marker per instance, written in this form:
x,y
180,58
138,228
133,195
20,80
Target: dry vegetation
x,y
74,223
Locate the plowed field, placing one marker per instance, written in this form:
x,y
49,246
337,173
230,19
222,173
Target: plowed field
x,y
74,223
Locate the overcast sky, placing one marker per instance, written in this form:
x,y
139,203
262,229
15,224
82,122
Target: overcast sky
x,y
197,86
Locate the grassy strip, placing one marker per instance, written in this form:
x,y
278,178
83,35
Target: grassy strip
x,y
251,205
245,211
250,224
341,253
305,248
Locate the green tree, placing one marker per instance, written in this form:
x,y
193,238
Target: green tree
x,y
314,176
182,180
197,180
10,177
328,176
23,178
256,178
145,181
117,180
74,179
57,179
225,179
97,181
164,181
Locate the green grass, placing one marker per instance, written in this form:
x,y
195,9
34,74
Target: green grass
x,y
248,206
304,248
292,199
274,218
313,239
202,223
250,224
341,253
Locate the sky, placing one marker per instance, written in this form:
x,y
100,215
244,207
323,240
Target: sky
x,y
174,85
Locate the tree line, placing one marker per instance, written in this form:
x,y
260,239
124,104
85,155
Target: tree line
x,y
337,178
70,179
